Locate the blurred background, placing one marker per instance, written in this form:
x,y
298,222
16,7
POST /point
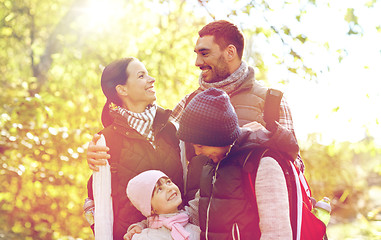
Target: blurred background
x,y
325,56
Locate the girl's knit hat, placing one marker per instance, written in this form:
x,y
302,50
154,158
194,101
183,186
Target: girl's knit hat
x,y
139,190
209,119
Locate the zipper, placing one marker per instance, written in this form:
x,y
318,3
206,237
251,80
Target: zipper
x,y
210,200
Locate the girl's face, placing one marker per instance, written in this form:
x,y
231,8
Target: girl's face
x,y
166,197
140,89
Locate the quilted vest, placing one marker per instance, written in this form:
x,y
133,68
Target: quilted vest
x,y
225,207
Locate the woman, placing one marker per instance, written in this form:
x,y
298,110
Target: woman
x,y
138,134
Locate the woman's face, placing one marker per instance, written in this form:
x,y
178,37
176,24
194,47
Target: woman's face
x,y
166,197
140,90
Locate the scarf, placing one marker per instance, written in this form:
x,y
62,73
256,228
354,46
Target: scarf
x,y
141,122
231,83
175,223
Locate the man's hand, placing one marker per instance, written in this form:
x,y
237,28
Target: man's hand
x,y
96,155
131,232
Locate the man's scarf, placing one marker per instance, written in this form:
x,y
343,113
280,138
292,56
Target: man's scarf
x,y
231,83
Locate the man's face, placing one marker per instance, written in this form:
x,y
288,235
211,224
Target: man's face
x,y
210,59
216,154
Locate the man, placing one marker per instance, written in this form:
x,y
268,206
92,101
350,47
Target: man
x,y
229,207
219,50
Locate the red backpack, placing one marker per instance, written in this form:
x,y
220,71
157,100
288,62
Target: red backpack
x,y
305,225
309,227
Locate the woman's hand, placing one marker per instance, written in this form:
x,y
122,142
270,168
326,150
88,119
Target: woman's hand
x,y
131,232
96,155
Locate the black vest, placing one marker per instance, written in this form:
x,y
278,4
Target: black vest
x,y
227,195
225,206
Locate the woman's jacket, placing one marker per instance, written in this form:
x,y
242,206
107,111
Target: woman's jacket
x,y
131,154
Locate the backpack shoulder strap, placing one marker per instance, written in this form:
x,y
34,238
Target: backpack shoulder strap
x,y
250,169
272,107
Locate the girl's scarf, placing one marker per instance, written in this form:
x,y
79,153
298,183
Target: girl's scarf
x,y
231,83
174,223
141,122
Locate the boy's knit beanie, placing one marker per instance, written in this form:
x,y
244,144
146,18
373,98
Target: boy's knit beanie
x,y
209,119
139,190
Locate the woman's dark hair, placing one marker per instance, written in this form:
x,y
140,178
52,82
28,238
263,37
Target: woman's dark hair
x,y
113,75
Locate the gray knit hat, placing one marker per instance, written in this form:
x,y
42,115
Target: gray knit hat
x,y
210,120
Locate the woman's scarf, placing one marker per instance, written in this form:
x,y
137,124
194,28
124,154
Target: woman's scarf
x,y
231,83
141,122
174,223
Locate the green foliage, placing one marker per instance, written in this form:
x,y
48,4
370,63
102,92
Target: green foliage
x,y
41,167
51,101
352,19
360,229
347,173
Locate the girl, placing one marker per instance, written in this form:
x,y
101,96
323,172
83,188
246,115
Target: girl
x,y
158,198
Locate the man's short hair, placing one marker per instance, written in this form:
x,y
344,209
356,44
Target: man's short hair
x,y
225,33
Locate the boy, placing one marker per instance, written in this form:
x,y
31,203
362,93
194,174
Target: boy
x,y
227,207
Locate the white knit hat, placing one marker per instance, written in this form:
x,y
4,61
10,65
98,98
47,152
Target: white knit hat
x,y
139,190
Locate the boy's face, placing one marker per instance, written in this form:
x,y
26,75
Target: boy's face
x,y
166,197
216,154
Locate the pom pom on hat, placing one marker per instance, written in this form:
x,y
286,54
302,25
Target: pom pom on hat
x,y
209,119
139,190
